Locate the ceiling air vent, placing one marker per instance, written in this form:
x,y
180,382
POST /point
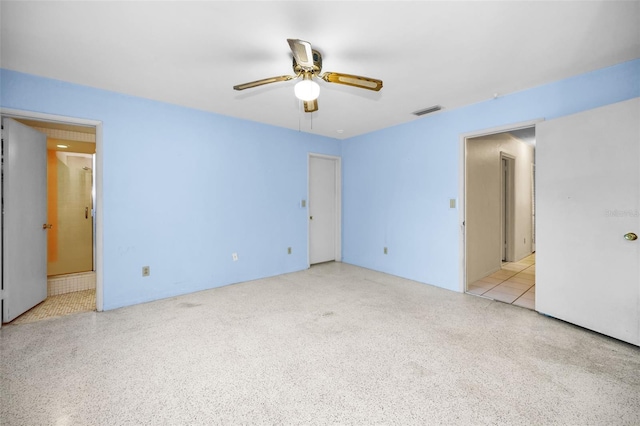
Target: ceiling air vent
x,y
427,110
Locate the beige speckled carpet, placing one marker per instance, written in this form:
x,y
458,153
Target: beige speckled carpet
x,y
59,306
332,345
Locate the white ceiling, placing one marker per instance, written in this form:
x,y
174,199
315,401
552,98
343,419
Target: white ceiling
x,y
427,53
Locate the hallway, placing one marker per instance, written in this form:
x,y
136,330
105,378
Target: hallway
x,y
514,283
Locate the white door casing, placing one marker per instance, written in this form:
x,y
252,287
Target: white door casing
x,y
588,198
24,186
463,187
324,208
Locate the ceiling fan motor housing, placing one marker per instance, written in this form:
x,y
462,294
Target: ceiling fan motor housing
x,y
317,64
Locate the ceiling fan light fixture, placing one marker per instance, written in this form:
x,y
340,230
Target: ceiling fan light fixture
x,y
307,63
307,89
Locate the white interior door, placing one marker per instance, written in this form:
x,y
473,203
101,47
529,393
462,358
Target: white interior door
x,y
588,199
323,207
24,237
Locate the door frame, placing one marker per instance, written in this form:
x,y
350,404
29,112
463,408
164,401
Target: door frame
x,y
338,204
462,188
98,176
507,205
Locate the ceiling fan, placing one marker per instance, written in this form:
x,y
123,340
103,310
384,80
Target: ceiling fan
x,y
307,63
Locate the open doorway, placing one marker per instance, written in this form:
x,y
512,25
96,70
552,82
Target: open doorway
x,y
71,255
499,216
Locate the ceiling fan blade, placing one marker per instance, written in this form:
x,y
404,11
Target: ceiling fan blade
x,y
302,52
263,81
353,80
311,106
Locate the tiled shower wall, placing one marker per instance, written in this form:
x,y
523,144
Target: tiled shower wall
x,y
69,283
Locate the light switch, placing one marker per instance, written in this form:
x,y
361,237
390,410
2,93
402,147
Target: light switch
x,y
452,203
303,203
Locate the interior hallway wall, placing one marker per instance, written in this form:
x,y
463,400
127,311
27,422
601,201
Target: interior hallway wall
x,y
483,203
183,189
398,182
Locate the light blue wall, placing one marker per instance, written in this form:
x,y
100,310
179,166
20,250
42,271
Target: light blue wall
x,y
183,189
397,182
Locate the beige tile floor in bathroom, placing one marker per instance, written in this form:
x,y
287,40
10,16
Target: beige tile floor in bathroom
x,y
59,306
514,283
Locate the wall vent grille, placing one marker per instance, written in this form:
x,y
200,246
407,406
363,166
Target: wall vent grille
x,y
427,110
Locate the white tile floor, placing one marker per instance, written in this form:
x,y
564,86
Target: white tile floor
x,y
514,283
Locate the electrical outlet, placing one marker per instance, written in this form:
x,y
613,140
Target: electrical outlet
x,y
234,256
288,250
385,250
146,271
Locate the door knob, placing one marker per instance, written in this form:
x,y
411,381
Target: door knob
x,y
630,236
310,217
47,226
